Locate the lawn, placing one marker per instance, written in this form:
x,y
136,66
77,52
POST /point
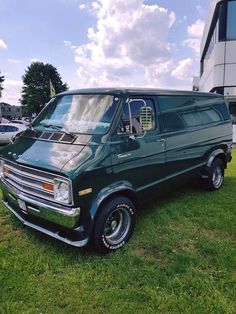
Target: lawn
x,y
181,259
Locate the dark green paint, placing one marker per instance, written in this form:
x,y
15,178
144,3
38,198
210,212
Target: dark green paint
x,y
114,163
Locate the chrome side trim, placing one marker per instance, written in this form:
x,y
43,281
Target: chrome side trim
x,y
45,231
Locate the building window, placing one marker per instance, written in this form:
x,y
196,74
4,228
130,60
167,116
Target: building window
x,y
222,14
231,21
232,109
216,34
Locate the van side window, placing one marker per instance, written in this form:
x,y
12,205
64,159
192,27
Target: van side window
x,y
172,122
222,110
181,112
133,109
199,117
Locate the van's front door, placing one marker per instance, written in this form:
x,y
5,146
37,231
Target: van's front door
x,y
138,157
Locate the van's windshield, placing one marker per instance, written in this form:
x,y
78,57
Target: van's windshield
x,y
88,114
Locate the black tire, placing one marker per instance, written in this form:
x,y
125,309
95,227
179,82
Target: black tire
x,y
214,176
114,225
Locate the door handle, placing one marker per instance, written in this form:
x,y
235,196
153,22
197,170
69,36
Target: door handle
x,y
162,141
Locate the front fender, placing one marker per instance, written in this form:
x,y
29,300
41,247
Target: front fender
x,y
107,192
117,187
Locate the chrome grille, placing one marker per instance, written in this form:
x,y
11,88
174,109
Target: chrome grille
x,y
28,180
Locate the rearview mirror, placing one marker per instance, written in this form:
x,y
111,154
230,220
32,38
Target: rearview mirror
x,y
146,118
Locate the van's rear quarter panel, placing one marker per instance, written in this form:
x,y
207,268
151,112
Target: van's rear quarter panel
x,y
190,149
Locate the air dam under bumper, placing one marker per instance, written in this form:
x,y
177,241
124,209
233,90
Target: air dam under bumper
x,y
55,221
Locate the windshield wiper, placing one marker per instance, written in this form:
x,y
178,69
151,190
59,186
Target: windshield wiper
x,y
59,128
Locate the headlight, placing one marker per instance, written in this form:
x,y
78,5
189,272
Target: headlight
x,y
62,191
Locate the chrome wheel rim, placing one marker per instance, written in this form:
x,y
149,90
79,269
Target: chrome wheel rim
x,y
217,177
117,226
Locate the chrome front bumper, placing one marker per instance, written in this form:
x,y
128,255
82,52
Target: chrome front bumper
x,y
34,208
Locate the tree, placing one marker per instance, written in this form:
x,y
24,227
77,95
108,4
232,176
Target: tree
x,y
2,78
36,88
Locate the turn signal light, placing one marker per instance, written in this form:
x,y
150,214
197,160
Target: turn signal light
x,y
47,186
6,170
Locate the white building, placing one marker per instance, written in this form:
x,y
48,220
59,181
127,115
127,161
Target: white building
x,y
218,53
10,112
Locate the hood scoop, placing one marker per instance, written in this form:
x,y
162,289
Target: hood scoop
x,y
59,137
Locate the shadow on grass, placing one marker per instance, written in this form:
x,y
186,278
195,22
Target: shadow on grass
x,y
170,196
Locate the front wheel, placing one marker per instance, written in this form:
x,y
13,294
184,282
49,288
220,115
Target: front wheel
x,y
215,176
114,225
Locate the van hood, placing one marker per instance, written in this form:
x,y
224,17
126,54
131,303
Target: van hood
x,y
45,155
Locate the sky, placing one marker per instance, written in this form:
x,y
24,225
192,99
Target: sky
x,y
152,43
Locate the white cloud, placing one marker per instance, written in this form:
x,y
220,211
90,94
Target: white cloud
x,y
200,10
193,43
194,32
35,60
15,61
9,82
128,46
184,70
2,44
196,29
82,6
68,43
157,74
11,92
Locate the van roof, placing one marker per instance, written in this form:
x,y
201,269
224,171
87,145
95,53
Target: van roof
x,y
134,90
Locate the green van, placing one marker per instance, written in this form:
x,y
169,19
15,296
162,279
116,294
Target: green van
x,y
92,156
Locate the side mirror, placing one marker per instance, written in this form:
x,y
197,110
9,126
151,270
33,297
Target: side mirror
x,y
146,118
16,136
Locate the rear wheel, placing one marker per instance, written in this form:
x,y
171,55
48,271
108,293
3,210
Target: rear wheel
x,y
215,176
114,225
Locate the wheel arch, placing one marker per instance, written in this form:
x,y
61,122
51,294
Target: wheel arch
x,y
218,153
105,195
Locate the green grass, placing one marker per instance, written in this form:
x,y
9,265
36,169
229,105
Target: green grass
x,y
181,259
